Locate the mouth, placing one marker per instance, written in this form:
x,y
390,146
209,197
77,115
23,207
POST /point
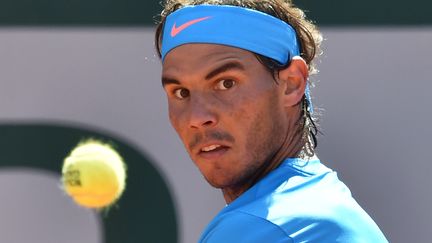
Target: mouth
x,y
213,151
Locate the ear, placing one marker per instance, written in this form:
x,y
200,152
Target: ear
x,y
294,79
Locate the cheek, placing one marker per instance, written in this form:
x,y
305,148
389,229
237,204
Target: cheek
x,y
264,122
175,117
253,108
244,122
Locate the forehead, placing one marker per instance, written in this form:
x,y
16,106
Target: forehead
x,y
197,55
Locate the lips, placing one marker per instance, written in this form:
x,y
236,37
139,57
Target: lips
x,y
212,150
210,144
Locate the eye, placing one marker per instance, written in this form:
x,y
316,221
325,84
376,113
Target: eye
x,y
225,84
181,93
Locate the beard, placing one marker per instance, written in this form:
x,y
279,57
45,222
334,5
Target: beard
x,y
264,140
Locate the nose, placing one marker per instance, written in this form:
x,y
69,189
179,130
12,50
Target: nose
x,y
202,113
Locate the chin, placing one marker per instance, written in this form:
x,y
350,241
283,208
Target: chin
x,y
217,181
221,181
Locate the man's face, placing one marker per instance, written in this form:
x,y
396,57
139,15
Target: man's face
x,y
226,108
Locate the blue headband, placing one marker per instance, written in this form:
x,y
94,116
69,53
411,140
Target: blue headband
x,y
234,26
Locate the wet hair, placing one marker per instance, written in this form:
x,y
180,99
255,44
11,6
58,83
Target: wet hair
x,y
308,36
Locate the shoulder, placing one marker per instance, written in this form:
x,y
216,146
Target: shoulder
x,y
238,226
312,205
321,209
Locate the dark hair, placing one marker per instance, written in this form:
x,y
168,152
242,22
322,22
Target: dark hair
x,y
308,36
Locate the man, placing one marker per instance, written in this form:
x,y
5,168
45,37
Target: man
x,y
235,73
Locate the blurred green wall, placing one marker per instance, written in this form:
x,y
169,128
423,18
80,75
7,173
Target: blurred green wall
x,y
139,12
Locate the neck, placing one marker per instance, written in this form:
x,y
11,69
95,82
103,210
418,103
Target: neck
x,y
232,193
291,147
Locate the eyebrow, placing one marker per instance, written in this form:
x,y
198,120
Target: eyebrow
x,y
166,81
225,67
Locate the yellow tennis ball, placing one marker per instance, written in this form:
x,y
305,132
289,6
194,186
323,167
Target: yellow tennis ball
x,y
94,174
